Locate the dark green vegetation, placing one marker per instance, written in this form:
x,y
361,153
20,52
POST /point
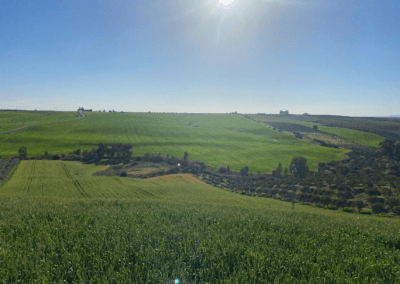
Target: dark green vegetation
x,y
366,131
367,179
156,232
6,167
215,139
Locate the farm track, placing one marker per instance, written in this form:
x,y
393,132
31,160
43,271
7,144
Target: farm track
x,y
26,126
76,183
29,181
16,129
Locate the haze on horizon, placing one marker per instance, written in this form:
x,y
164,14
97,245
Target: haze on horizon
x,y
250,56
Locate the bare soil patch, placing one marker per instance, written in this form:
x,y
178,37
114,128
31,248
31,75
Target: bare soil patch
x,y
291,127
316,138
136,170
185,178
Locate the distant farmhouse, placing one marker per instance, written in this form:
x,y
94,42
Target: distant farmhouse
x,y
82,109
286,112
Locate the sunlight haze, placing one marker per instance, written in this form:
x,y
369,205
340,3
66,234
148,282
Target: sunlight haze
x,y
321,57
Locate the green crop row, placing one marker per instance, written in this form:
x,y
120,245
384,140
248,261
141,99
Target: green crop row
x,y
114,241
215,139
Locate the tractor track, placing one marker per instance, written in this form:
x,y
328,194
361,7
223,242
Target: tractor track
x,y
76,183
31,174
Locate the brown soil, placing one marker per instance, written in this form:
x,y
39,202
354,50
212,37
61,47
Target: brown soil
x,y
185,178
329,138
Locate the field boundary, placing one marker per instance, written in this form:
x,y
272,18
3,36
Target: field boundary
x,y
10,175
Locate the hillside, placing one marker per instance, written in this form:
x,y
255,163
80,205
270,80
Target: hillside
x,y
58,223
215,139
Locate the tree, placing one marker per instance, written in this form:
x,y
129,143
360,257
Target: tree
x,y
244,171
278,171
392,202
315,127
22,152
388,146
378,207
299,167
185,158
359,204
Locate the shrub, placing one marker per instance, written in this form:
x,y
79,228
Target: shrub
x,y
22,152
123,174
392,202
359,204
372,191
244,171
173,170
348,209
299,167
222,170
374,199
55,157
378,207
366,211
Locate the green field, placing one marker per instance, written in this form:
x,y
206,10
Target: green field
x,y
215,139
11,120
60,224
360,137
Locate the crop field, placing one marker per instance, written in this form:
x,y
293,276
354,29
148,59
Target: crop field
x,y
123,230
215,139
360,137
10,120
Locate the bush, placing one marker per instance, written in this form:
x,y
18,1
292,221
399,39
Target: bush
x,y
392,202
348,209
359,204
123,174
373,191
173,170
366,211
378,208
244,171
22,152
374,199
222,170
55,157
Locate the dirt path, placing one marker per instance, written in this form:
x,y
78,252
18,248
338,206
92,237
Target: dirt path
x,y
22,127
15,130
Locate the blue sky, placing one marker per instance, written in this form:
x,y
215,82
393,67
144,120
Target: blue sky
x,y
320,57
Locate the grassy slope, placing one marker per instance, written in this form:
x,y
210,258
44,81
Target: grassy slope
x,y
364,138
12,120
216,140
157,232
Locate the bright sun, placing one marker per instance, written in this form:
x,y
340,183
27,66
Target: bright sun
x,y
226,2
